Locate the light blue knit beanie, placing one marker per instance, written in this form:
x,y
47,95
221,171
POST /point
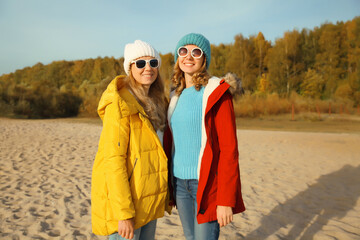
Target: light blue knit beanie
x,y
198,40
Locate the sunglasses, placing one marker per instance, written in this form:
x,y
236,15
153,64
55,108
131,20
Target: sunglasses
x,y
141,63
195,53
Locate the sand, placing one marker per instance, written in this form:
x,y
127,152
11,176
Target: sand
x,y
295,185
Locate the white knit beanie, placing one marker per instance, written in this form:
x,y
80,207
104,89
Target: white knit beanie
x,y
138,49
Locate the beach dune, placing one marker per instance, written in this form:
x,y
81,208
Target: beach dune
x,y
295,185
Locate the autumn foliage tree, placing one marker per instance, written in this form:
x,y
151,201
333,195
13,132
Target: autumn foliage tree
x,y
321,63
312,85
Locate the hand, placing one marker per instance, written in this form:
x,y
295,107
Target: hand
x,y
224,215
126,228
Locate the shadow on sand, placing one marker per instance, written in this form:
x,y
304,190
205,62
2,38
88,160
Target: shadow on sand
x,y
332,196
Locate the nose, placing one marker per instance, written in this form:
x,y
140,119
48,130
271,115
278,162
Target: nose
x,y
147,66
189,56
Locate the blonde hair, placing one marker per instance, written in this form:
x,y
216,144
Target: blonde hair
x,y
155,103
199,78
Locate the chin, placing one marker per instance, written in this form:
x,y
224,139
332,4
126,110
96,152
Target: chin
x,y
148,81
189,70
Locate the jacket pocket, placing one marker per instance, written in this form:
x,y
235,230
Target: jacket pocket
x,y
132,171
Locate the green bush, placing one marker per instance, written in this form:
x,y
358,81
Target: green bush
x,y
43,102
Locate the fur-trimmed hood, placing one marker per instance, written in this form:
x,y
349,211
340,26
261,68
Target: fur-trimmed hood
x,y
235,84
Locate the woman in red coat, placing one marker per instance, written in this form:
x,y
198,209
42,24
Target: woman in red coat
x,y
201,143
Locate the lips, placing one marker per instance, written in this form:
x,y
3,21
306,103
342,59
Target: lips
x,y
147,75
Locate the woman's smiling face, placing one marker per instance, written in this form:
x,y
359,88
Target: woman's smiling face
x,y
145,76
189,64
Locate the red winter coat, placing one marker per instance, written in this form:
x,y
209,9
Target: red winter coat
x,y
218,171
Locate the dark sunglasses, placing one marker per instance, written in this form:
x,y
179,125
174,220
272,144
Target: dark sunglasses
x,y
141,63
195,53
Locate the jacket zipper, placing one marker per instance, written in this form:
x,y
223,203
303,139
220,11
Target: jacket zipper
x,y
132,170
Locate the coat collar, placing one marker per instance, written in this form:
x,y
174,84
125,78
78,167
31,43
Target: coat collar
x,y
123,97
212,92
132,104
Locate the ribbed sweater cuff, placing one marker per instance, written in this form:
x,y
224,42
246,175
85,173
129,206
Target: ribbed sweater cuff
x,y
185,173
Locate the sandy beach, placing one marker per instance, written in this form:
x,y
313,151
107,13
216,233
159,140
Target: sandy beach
x,y
296,185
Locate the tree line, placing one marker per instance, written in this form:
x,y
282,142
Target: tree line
x,y
321,64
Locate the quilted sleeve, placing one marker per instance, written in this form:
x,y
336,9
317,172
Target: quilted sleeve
x,y
116,140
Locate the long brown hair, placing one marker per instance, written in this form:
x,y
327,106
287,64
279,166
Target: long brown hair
x,y
199,78
155,103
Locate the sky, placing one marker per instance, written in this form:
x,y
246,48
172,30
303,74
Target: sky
x,y
52,30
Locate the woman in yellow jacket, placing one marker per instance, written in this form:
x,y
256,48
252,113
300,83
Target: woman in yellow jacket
x,y
130,175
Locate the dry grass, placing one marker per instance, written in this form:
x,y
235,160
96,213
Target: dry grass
x,y
251,106
305,122
254,106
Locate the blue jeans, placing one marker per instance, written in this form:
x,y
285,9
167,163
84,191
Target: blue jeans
x,y
185,195
144,233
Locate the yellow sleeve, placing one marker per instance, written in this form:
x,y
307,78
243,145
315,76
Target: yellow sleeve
x,y
116,130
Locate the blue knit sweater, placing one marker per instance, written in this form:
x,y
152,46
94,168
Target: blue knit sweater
x,y
186,127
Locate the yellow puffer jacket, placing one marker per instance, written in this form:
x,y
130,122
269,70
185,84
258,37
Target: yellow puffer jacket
x,y
129,176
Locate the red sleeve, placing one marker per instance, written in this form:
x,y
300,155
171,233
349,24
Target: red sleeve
x,y
228,166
